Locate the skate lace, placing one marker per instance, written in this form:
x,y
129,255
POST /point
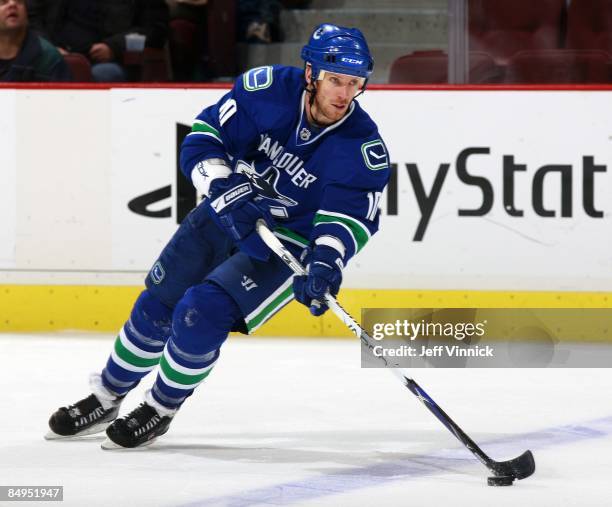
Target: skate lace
x,y
86,411
142,419
84,406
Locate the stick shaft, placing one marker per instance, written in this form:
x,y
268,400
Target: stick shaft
x,y
279,249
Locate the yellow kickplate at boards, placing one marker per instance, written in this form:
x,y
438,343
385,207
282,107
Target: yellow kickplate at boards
x,y
31,308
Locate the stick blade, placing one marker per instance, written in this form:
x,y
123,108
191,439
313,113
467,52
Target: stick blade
x,y
520,467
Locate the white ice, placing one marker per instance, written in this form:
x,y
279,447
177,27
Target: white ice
x,y
298,422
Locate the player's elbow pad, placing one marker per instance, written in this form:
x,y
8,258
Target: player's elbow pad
x,y
206,171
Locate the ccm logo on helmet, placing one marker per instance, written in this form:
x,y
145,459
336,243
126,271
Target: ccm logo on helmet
x,y
351,60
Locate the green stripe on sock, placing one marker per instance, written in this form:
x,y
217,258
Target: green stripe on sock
x,y
131,358
270,309
357,229
181,378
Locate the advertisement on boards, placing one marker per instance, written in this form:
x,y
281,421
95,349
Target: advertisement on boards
x,y
148,195
489,190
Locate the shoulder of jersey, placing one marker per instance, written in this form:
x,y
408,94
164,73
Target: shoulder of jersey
x,y
359,124
271,92
276,82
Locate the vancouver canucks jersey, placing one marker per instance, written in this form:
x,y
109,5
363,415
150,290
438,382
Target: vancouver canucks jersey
x,y
317,182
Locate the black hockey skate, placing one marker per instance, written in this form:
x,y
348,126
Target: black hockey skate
x,y
85,417
138,428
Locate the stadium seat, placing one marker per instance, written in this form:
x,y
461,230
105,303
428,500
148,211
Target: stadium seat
x,y
150,65
221,34
504,27
559,66
589,25
79,67
206,49
431,67
185,48
156,65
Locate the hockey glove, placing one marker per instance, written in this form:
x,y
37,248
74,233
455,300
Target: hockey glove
x,y
234,206
324,266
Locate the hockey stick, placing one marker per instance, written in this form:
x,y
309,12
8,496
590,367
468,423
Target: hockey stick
x,y
505,471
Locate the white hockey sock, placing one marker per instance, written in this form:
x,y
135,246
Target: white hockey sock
x,y
161,409
106,398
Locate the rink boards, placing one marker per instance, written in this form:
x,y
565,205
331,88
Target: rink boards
x,y
498,198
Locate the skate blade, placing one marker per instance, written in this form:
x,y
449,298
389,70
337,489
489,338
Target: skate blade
x,y
98,428
109,445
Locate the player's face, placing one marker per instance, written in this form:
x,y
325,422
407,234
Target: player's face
x,y
334,95
12,15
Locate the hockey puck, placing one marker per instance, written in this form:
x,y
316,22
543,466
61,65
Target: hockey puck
x,y
504,480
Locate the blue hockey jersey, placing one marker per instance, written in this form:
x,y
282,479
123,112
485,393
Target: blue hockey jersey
x,y
317,182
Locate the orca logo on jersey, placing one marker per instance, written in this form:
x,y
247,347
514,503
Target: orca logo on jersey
x,y
265,183
285,161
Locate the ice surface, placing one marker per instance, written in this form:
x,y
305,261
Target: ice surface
x,y
298,422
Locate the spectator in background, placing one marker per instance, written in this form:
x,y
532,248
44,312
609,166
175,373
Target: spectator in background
x,y
188,49
24,56
97,29
259,21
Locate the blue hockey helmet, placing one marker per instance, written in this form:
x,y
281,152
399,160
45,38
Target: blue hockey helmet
x,y
338,49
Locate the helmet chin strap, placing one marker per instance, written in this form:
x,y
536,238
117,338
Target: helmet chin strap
x,y
311,96
363,88
312,92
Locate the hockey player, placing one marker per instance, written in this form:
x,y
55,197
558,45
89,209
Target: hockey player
x,y
289,146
